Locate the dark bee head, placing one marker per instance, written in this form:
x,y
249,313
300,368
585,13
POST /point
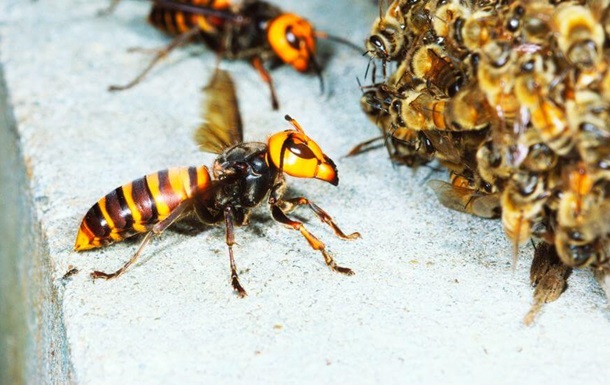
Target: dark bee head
x,y
576,250
293,40
387,39
514,21
294,153
375,101
370,103
376,46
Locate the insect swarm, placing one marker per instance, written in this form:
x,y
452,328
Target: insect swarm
x,y
243,176
252,30
512,98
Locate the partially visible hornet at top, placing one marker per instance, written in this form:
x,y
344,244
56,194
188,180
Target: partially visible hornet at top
x,y
244,175
252,30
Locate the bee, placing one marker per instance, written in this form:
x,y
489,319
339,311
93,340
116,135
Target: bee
x,y
493,163
522,199
243,176
528,21
431,64
445,16
591,120
496,78
254,30
463,195
375,103
474,28
580,35
538,157
405,146
580,230
546,115
404,22
387,40
418,110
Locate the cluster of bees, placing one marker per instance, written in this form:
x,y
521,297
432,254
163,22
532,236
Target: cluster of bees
x,y
512,97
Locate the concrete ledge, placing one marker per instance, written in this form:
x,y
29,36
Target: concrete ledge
x,y
434,298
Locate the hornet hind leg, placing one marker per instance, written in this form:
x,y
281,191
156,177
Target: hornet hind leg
x,y
177,42
156,230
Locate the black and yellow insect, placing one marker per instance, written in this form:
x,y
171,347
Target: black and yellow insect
x,y
254,30
243,176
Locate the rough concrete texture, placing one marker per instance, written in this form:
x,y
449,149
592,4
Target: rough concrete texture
x,y
434,298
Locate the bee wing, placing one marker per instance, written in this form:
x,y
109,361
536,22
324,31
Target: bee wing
x,y
445,146
486,205
466,200
222,126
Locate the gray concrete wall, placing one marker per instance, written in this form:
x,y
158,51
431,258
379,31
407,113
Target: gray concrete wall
x,y
434,298
33,346
17,240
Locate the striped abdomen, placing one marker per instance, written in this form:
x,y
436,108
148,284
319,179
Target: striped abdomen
x,y
173,20
137,206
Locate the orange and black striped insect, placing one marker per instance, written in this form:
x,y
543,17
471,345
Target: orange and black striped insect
x,y
243,176
254,30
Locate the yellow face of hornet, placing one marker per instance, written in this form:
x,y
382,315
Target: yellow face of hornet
x,y
297,155
292,38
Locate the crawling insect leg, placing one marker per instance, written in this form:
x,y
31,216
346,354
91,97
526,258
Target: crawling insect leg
x,y
132,260
290,204
549,275
365,146
314,242
230,238
156,230
178,41
257,63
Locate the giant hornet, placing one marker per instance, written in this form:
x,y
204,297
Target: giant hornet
x,y
243,175
253,30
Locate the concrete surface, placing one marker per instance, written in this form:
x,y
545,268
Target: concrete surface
x,y
434,299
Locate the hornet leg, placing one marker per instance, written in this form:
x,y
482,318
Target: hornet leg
x,y
230,238
257,63
290,204
365,146
157,229
178,41
314,242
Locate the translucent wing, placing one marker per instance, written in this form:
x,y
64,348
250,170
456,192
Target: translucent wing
x,y
221,127
466,200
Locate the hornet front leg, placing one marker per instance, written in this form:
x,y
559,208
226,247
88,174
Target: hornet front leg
x,y
313,241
